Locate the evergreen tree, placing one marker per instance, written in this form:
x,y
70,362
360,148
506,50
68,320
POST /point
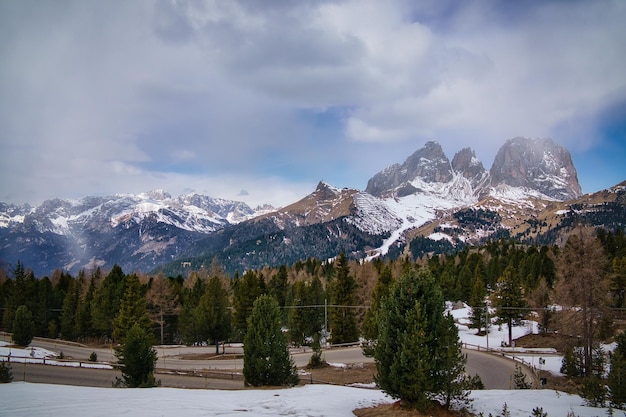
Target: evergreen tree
x,y
449,363
314,316
138,358
84,315
278,286
23,326
42,315
266,358
478,316
132,311
6,374
23,292
617,375
508,300
71,305
188,325
297,320
370,325
213,314
417,353
107,301
342,315
245,291
618,282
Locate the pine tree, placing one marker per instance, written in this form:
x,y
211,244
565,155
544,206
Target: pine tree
x,y
417,353
23,326
297,321
188,326
132,311
478,316
370,325
617,375
245,291
450,361
278,286
6,373
508,300
213,314
84,316
107,301
266,358
342,315
71,305
138,358
314,295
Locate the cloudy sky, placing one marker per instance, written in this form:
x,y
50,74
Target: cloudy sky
x,y
259,100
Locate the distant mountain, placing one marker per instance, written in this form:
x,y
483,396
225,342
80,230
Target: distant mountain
x,y
135,231
425,205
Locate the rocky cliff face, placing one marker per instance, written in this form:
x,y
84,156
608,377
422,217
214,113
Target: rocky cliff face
x,y
536,167
536,164
466,164
428,163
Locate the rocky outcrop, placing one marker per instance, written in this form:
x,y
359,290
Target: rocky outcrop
x,y
536,164
429,163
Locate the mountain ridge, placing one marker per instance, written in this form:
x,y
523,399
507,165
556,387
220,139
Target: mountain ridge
x,y
404,202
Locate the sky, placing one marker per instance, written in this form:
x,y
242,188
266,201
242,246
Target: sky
x,y
258,101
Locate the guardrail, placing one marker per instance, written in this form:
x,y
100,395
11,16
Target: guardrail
x,y
55,361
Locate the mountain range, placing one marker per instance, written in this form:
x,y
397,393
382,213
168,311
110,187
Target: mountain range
x,y
427,204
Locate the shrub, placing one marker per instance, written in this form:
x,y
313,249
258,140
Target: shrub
x,y
6,375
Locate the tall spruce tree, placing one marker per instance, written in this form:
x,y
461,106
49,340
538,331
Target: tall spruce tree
x,y
418,354
342,314
297,320
266,359
245,291
138,358
132,311
617,375
213,314
370,325
508,300
478,314
107,301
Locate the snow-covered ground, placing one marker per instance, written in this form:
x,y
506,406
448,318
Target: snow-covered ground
x,y
27,399
40,355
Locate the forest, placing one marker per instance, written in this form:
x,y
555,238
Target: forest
x,y
209,306
576,292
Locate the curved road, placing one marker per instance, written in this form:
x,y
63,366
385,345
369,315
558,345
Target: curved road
x,y
496,372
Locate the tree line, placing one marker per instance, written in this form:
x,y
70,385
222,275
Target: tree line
x,y
344,301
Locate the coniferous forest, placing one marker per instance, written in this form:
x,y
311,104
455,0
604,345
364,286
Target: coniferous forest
x,y
338,299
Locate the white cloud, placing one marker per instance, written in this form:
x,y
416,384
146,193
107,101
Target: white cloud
x,y
218,89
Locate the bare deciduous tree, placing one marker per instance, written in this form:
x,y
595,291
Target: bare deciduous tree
x,y
162,299
582,289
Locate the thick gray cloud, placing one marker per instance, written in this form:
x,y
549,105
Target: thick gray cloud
x,y
103,97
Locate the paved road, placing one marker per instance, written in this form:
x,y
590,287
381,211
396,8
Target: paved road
x,y
105,378
495,372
